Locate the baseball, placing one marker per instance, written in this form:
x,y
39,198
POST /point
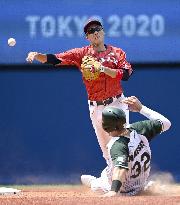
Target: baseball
x,y
11,42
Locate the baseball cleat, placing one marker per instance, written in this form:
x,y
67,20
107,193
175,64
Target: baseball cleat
x,y
87,179
8,191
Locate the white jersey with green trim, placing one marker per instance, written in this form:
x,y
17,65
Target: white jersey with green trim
x,y
138,164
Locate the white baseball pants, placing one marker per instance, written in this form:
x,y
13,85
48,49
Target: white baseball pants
x,y
96,118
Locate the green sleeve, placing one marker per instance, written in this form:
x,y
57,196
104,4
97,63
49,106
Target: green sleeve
x,y
148,128
120,152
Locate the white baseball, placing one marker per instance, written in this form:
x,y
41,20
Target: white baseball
x,y
11,42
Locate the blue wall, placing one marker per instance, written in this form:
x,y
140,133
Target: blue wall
x,y
45,130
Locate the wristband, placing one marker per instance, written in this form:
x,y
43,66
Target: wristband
x,y
52,59
116,185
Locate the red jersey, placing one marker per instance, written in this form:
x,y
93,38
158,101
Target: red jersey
x,y
105,86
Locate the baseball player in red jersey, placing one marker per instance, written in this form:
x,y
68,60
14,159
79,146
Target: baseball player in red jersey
x,y
104,91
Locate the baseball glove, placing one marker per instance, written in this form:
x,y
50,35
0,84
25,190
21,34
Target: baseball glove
x,y
90,68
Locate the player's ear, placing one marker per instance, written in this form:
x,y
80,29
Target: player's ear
x,y
87,38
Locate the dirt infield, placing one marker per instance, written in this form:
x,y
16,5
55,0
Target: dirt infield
x,y
72,195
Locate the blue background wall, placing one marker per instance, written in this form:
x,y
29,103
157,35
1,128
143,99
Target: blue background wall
x,y
45,130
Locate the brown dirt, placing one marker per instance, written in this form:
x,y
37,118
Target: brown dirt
x,y
72,195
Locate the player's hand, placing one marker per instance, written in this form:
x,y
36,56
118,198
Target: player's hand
x,y
110,194
31,56
133,103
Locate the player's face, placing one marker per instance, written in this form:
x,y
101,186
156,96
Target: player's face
x,y
95,34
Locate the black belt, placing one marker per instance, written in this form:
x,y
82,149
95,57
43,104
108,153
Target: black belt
x,y
105,102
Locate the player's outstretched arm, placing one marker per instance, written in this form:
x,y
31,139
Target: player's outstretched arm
x,y
43,58
135,105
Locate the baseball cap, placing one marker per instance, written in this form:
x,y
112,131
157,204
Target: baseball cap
x,y
90,22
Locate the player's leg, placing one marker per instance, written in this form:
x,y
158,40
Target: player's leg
x,y
99,185
117,103
102,137
96,118
87,180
